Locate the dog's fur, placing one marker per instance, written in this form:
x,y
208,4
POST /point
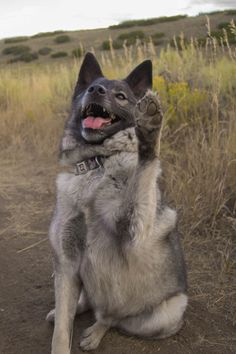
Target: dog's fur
x,y
116,246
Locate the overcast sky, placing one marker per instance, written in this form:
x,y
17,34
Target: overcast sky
x,y
27,17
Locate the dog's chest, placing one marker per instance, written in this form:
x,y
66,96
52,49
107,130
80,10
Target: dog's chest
x,y
100,185
107,200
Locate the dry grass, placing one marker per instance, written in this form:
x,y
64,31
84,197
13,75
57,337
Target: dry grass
x,y
198,150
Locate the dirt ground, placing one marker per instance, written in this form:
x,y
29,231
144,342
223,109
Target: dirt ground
x,y
26,287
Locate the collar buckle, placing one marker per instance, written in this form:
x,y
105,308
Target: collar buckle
x,y
85,166
81,168
98,161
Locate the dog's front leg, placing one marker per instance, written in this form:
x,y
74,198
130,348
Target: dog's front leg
x,y
66,295
142,195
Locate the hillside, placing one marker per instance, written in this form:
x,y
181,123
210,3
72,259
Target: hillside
x,y
45,47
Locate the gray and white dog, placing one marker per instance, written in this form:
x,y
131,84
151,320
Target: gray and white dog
x,y
116,248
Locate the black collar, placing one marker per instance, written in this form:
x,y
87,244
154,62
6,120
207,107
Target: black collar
x,y
85,166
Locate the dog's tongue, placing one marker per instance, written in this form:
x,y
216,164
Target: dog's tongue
x,y
95,122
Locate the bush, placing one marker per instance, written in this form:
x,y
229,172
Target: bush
x,y
44,51
59,55
210,13
131,37
201,41
62,39
105,45
15,40
133,34
182,100
231,12
47,34
226,12
158,35
26,57
156,41
223,25
16,50
77,52
147,22
116,44
220,34
157,38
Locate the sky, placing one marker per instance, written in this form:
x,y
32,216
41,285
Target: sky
x,y
28,17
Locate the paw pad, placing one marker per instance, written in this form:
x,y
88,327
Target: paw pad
x,y
151,109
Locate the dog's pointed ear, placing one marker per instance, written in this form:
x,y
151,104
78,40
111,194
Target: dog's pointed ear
x,y
89,71
140,79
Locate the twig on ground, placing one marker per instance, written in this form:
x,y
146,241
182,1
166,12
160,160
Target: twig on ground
x,y
32,246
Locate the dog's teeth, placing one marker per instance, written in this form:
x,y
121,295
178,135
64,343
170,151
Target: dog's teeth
x,y
113,116
104,111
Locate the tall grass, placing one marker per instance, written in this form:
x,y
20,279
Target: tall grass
x,y
198,147
34,102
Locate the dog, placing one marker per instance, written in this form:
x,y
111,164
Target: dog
x,y
115,244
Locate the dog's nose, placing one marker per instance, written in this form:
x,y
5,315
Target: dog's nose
x,y
99,89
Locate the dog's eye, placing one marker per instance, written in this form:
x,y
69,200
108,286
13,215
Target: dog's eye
x,y
120,96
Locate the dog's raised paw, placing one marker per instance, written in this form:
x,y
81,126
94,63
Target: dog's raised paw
x,y
148,118
148,113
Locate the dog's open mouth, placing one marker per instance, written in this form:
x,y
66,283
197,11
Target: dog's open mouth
x,y
95,116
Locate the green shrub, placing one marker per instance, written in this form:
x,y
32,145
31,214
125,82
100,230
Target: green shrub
x,y
231,12
133,34
26,57
157,38
156,41
131,37
116,44
158,35
223,25
217,34
77,52
201,41
16,50
44,51
210,13
15,40
220,34
147,22
226,12
62,39
47,34
59,55
105,45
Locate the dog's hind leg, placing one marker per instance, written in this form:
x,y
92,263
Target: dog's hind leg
x,y
163,321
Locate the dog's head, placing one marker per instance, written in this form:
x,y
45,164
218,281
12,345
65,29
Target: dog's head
x,y
102,107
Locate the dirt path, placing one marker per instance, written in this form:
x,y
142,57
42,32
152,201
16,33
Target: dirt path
x,y
26,286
